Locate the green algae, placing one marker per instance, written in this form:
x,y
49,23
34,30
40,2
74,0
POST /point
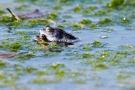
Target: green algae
x,y
100,66
21,7
114,3
1,11
104,21
85,21
57,5
55,65
29,69
125,21
77,8
86,55
40,80
41,72
52,15
32,23
92,26
96,43
86,47
2,63
75,26
99,13
12,46
25,56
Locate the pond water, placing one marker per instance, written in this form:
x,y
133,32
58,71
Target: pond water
x,y
103,58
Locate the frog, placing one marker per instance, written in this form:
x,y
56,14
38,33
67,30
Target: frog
x,y
50,34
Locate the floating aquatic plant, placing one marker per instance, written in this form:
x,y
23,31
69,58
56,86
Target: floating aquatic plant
x,y
77,8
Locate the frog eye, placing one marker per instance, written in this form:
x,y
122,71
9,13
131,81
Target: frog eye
x,y
48,29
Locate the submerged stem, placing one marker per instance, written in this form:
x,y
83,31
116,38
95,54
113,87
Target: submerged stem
x,y
13,15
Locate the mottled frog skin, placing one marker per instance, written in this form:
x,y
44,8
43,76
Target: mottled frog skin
x,y
55,35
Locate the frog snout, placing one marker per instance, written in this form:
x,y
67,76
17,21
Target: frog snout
x,y
42,31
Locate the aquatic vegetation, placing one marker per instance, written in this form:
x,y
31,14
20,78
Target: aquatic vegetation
x,y
55,65
1,11
60,72
57,4
96,43
114,3
60,26
12,46
85,21
125,21
86,55
100,66
41,72
1,75
104,21
75,26
29,69
86,47
127,46
91,26
92,7
32,22
77,8
24,56
85,11
21,7
2,63
39,80
99,13
52,15
6,19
